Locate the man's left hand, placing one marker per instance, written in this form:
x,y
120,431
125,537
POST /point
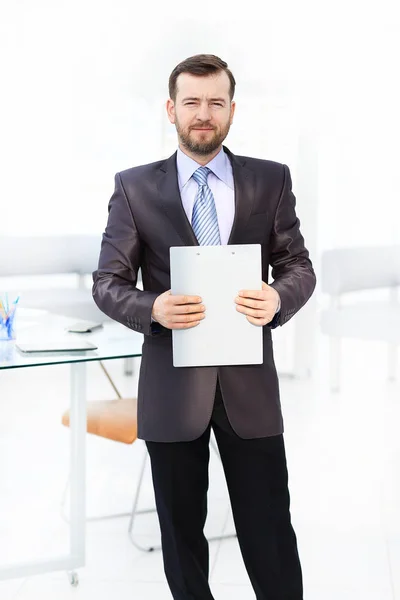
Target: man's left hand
x,y
259,306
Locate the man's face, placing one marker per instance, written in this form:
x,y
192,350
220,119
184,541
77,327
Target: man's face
x,y
202,112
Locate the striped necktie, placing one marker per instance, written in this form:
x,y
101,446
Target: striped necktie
x,y
204,218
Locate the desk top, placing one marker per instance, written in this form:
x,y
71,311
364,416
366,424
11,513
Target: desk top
x,y
113,341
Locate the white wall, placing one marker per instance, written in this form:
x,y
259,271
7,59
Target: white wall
x,y
84,85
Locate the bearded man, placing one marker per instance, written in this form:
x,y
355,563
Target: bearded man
x,y
206,195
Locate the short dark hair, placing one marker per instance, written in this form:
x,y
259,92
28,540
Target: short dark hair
x,y
201,65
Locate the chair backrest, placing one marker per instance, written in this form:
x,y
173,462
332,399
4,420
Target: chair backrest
x,y
47,255
352,269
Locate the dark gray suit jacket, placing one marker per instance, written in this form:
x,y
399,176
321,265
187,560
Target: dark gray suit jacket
x,y
146,218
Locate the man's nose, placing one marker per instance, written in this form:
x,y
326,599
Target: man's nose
x,y
204,113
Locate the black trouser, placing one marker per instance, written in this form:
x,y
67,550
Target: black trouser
x,y
256,475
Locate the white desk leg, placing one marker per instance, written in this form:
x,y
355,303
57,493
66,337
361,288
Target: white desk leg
x,y
76,557
78,462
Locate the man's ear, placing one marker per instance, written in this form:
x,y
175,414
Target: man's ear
x,y
171,110
233,106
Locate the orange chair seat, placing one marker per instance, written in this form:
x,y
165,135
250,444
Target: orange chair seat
x,y
112,419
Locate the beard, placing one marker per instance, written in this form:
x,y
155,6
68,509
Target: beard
x,y
199,146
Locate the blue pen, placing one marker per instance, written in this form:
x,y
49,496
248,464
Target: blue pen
x,y
10,317
2,312
12,311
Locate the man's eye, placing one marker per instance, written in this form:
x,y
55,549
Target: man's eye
x,y
217,103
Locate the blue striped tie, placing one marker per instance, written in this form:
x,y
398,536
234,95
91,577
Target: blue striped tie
x,y
204,218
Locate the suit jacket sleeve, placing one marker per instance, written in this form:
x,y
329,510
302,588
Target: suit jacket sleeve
x,y
292,271
114,282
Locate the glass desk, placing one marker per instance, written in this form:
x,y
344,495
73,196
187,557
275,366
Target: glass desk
x,y
113,341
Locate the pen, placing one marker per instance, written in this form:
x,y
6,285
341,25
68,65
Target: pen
x,y
3,313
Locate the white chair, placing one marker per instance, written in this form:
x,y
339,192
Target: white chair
x,y
55,255
117,420
346,271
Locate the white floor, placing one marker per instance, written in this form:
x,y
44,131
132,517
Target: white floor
x,y
344,464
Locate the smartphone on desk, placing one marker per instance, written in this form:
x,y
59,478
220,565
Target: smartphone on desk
x,y
84,327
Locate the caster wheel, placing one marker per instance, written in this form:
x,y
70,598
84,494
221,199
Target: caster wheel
x,y
73,579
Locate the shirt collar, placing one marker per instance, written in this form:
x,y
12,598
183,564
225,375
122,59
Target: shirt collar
x,y
220,165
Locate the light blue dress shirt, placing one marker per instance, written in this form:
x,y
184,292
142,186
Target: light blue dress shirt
x,y
221,183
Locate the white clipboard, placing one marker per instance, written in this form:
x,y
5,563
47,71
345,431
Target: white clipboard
x,y
217,274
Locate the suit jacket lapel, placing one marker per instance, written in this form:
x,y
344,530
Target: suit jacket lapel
x,y
170,198
244,179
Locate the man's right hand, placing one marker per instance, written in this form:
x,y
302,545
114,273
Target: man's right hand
x,y
178,312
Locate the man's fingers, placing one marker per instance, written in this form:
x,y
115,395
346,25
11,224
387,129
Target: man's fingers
x,y
258,322
254,316
251,303
255,294
254,312
185,325
185,309
177,299
189,318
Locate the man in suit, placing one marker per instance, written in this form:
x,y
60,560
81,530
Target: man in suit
x,y
204,194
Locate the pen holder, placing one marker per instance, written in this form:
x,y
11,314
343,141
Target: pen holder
x,y
7,325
